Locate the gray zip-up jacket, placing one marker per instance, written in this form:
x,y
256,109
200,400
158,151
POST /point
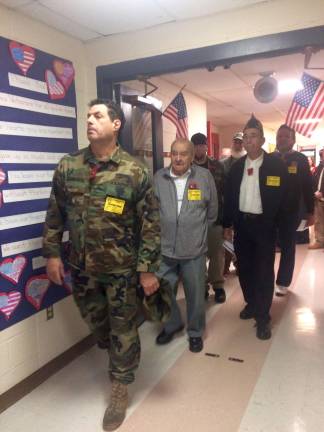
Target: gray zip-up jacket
x,y
184,236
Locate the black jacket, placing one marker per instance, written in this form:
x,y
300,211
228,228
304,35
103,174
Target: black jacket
x,y
300,185
272,197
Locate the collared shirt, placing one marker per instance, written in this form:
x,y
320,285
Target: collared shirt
x,y
180,184
250,197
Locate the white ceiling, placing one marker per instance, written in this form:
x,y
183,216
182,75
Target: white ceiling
x,y
86,20
229,92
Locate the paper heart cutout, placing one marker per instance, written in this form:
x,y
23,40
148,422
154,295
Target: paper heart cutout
x,y
9,302
35,289
23,55
54,87
64,72
12,268
3,176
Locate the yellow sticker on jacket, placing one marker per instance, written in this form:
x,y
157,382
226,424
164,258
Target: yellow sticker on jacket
x,y
194,194
114,205
292,169
273,181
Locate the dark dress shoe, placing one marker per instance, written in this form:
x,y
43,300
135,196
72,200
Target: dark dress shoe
x,y
195,344
246,313
220,295
263,331
164,337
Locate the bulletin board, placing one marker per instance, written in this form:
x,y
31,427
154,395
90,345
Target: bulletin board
x,y
37,127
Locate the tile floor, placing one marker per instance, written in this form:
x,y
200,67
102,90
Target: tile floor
x,y
278,387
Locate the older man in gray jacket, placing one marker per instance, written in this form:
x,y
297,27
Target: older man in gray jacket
x,y
188,204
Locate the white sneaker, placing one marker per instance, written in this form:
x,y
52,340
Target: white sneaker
x,y
281,290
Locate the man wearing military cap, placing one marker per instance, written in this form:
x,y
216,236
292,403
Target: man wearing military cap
x,y
104,197
215,231
254,198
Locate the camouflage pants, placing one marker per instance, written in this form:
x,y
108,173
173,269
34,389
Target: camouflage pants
x,y
108,305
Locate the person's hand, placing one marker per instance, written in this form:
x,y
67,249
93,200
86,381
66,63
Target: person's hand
x,y
228,234
149,282
55,270
310,219
318,195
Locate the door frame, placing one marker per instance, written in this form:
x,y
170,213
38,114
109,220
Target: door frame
x,y
224,54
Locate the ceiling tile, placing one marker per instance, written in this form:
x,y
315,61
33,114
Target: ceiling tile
x,y
12,4
59,22
185,9
110,16
202,81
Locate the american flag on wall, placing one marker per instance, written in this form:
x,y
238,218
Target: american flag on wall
x,y
307,108
176,112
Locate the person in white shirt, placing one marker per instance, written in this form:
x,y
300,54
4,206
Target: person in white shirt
x,y
188,206
254,198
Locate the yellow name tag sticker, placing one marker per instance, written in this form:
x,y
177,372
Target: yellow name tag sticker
x,y
292,169
114,205
194,194
273,181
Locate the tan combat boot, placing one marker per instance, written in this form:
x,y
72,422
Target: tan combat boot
x,y
116,411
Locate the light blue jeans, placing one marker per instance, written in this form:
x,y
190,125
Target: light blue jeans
x,y
192,273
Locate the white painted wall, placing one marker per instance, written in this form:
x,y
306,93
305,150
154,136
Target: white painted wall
x,y
30,344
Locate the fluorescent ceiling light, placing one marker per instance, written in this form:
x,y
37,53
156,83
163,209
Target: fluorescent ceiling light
x,y
289,86
155,102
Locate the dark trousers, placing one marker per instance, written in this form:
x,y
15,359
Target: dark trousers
x,y
254,244
287,242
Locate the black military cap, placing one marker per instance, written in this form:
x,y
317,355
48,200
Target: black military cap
x,y
254,123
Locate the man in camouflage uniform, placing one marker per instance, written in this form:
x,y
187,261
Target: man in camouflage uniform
x,y
215,231
103,196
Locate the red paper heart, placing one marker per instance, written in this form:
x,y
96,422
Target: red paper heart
x,y
23,55
64,72
9,302
12,268
54,87
35,289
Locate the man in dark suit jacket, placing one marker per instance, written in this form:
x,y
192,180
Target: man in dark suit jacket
x,y
254,196
299,192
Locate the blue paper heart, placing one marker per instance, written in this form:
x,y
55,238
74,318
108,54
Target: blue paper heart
x,y
3,301
18,54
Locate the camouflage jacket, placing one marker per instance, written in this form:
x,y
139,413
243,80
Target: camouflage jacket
x,y
110,211
217,171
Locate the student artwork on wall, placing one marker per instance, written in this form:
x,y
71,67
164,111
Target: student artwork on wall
x,y
37,127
